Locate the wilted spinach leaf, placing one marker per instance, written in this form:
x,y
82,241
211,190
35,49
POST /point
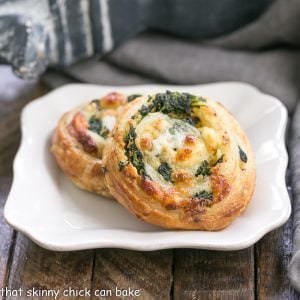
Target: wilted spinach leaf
x,y
132,97
165,171
95,124
132,152
204,195
243,155
204,169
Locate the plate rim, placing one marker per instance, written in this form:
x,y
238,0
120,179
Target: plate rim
x,y
149,246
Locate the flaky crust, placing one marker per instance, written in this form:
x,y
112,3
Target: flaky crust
x,y
77,150
232,181
83,169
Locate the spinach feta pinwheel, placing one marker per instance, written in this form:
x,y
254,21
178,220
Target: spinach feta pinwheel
x,y
80,137
180,161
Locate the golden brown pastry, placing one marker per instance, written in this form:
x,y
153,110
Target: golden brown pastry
x,y
80,137
180,161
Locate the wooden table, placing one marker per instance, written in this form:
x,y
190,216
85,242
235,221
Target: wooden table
x,y
259,272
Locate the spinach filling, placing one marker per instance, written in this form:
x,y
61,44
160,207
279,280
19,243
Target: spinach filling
x,y
204,195
204,169
243,155
132,97
132,152
175,104
192,120
165,171
220,160
96,126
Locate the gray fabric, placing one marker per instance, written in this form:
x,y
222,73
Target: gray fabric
x,y
170,60
159,58
35,34
265,53
280,25
105,73
96,72
153,57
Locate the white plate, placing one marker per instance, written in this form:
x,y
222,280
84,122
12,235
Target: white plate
x,y
49,209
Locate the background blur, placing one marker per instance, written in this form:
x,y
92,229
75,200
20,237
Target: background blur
x,y
138,41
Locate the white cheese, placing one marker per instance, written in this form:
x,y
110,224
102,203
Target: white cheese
x,y
109,122
167,140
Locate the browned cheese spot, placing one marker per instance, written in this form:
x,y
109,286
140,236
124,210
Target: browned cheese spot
x,y
113,100
146,142
220,187
151,187
130,171
190,140
184,153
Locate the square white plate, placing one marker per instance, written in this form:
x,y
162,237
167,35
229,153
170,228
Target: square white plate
x,y
49,209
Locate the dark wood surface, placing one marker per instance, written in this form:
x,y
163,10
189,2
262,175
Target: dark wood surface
x,y
259,272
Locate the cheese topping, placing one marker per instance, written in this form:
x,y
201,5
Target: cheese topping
x,y
109,122
177,145
95,121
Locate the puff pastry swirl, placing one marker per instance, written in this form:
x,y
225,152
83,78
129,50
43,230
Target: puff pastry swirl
x,y
180,161
80,137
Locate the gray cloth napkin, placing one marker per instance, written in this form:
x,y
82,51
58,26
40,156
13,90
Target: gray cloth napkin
x,y
264,53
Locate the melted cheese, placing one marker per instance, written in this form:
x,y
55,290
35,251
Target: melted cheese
x,y
180,145
109,122
211,139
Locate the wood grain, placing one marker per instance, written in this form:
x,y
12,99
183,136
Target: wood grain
x,y
273,254
30,266
274,251
200,274
14,94
35,267
149,272
6,233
